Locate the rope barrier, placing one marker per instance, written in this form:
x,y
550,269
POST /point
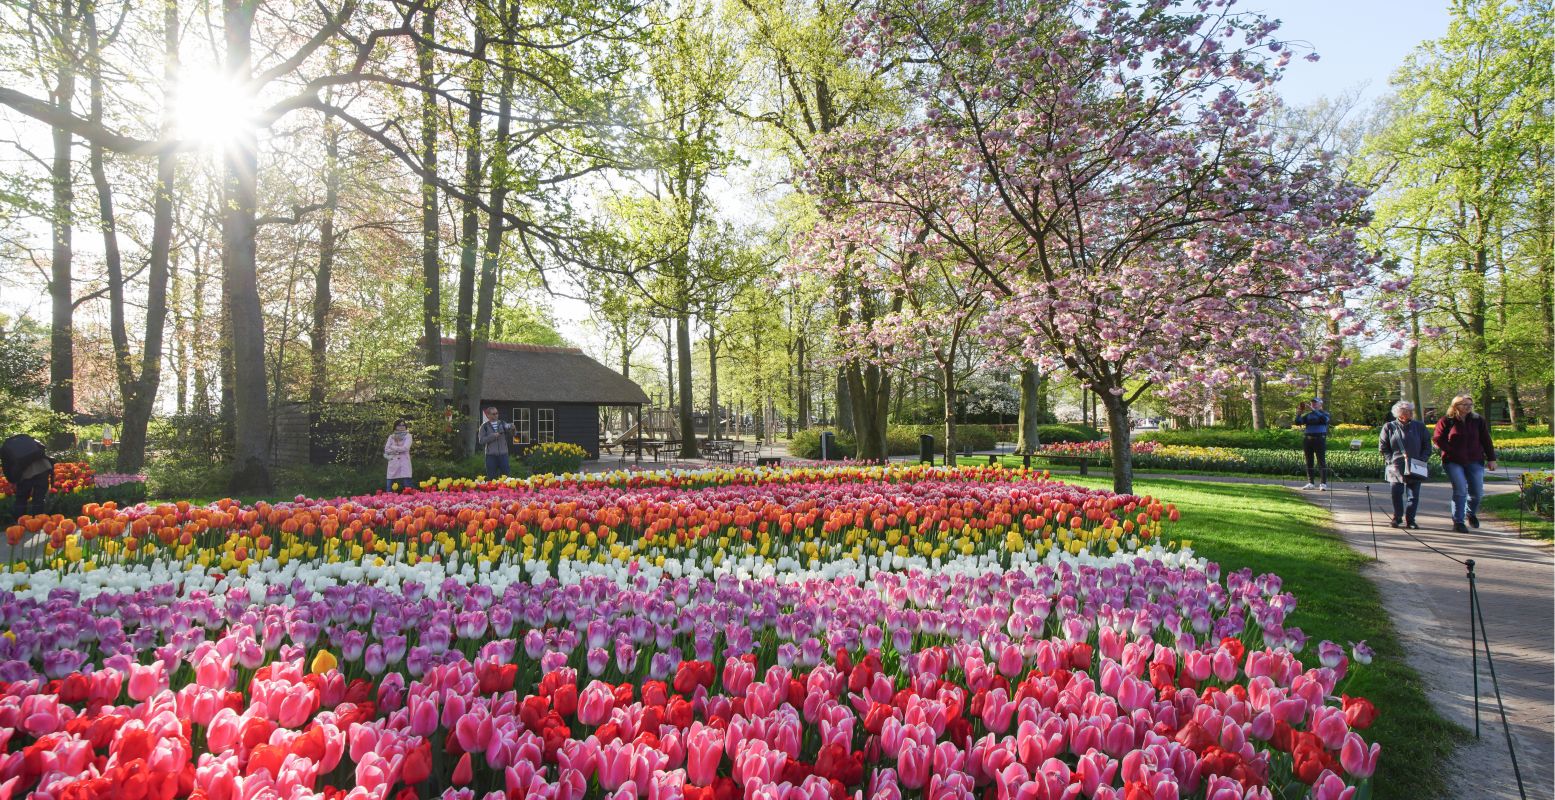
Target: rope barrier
x,y
1506,727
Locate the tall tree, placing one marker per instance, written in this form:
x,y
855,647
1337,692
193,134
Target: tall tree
x,y
1459,163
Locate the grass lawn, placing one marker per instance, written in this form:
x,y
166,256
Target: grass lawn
x,y
1504,507
1270,529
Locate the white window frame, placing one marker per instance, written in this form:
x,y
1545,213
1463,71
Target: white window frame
x,y
521,424
545,425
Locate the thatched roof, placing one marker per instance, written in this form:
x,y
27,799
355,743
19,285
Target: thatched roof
x,y
532,373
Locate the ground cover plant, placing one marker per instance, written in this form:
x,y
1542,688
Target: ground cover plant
x,y
857,632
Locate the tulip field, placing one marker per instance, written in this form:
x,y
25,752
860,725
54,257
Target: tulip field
x,y
876,633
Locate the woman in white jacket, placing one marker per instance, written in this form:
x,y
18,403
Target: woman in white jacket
x,y
397,451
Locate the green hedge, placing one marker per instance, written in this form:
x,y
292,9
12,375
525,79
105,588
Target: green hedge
x,y
1272,439
1290,439
1361,465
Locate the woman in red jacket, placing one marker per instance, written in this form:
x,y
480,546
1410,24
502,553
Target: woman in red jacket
x,y
1464,439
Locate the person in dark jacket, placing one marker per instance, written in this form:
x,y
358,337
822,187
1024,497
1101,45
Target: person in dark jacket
x,y
1405,445
28,467
1464,439
1314,442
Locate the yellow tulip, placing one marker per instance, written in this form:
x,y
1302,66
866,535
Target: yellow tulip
x,y
323,662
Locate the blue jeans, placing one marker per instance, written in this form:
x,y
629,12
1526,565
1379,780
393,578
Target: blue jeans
x,y
496,465
1468,486
396,484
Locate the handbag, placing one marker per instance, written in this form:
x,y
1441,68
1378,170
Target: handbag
x,y
1419,468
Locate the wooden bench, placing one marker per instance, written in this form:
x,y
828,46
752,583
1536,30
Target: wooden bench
x,y
769,461
1083,461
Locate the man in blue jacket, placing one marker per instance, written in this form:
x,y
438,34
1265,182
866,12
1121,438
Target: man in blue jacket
x,y
1314,442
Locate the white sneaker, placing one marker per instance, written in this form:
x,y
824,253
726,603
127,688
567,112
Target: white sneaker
x,y
1309,487
1322,487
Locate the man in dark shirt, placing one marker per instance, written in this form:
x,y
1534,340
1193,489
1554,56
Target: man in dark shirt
x,y
1314,442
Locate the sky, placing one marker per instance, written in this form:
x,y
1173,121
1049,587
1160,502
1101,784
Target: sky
x,y
1359,42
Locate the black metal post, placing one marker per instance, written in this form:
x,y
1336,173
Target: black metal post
x,y
1371,516
1474,641
1506,727
1026,461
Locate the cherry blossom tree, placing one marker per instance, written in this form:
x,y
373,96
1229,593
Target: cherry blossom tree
x,y
1167,236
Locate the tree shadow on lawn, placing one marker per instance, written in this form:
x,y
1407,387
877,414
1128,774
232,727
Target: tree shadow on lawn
x,y
1271,529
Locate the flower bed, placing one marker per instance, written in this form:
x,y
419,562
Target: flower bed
x,y
1019,638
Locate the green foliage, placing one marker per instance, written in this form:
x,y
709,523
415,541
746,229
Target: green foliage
x,y
173,477
902,440
355,432
1067,433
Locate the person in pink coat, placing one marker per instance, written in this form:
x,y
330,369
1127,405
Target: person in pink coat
x,y
397,451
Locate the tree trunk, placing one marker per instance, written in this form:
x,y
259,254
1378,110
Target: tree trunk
x,y
62,392
464,393
869,389
1514,405
947,371
1121,437
712,382
1414,365
669,362
494,222
1260,420
431,265
318,336
138,393
844,403
803,404
688,434
251,470
1029,438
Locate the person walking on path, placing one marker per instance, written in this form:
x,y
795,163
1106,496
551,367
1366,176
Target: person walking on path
x,y
1406,450
1314,442
30,470
397,451
1464,439
494,435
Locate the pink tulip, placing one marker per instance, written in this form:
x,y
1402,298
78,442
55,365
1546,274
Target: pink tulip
x,y
595,703
423,715
1329,724
1329,786
1356,759
1011,661
738,675
1095,769
912,765
147,680
704,749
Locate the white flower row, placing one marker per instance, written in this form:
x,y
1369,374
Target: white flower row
x,y
393,574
